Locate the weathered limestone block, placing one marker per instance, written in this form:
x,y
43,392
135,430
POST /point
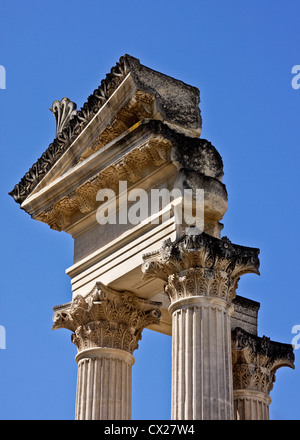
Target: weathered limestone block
x,y
245,314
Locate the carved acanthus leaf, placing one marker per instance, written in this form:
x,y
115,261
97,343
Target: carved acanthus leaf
x,y
256,359
199,282
212,265
107,318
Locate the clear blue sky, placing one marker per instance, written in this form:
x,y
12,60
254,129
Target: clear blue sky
x,y
240,55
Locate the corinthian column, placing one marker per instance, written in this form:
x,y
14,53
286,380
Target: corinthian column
x,y
201,274
107,326
255,361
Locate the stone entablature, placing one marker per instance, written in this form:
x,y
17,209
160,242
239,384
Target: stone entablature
x,y
145,131
152,145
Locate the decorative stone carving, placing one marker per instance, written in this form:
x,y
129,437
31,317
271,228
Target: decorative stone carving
x,y
148,82
128,168
201,274
63,111
256,359
143,127
201,265
70,131
107,318
107,326
199,282
139,107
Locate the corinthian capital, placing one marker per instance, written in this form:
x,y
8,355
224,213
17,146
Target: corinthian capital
x,y
256,359
107,318
201,265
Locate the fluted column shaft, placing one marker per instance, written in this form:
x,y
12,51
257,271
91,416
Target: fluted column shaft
x,y
251,405
201,274
201,359
103,384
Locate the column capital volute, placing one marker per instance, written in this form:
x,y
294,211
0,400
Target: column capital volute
x,y
256,360
215,265
107,318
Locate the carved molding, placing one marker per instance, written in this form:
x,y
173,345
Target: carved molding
x,y
139,107
200,265
71,130
155,151
256,359
176,103
107,318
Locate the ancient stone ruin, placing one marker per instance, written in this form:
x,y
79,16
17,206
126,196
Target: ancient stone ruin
x,y
122,177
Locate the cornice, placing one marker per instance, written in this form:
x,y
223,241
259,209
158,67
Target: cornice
x,y
148,82
151,142
70,131
155,150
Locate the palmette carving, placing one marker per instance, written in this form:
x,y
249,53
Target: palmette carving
x,y
107,318
63,111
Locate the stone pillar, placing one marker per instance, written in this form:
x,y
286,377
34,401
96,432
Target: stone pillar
x,y
201,274
107,326
104,384
255,361
201,359
251,405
